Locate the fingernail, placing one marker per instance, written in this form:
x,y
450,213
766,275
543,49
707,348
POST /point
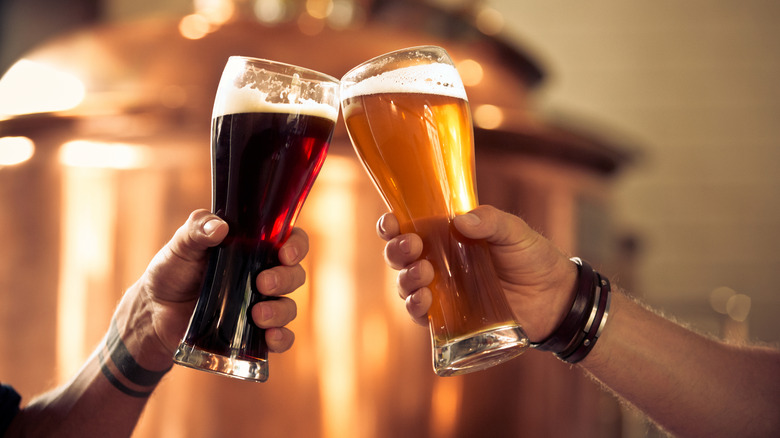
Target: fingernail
x,y
405,245
469,219
289,253
414,271
210,226
266,312
414,298
275,334
270,280
381,226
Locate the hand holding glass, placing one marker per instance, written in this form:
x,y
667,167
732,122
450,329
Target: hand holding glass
x,y
408,117
271,128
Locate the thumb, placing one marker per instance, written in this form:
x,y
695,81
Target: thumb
x,y
492,225
177,268
201,231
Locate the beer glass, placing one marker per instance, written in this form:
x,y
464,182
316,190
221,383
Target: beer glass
x,y
270,131
409,121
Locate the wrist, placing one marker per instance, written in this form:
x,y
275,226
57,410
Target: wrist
x,y
132,356
564,292
581,327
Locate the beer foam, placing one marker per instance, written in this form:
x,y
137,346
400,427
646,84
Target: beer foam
x,y
250,100
441,79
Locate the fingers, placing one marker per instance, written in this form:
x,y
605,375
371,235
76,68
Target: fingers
x,y
280,280
279,339
284,279
295,248
413,277
402,250
413,284
387,226
273,315
417,305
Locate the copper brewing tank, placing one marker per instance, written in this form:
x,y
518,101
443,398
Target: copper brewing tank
x,y
148,85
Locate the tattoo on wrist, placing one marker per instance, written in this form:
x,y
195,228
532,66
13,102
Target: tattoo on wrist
x,y
126,374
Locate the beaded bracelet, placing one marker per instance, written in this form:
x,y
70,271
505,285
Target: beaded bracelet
x,y
580,329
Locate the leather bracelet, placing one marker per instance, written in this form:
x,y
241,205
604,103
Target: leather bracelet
x,y
570,328
594,326
580,329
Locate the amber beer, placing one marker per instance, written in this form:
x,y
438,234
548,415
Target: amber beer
x,y
411,128
270,136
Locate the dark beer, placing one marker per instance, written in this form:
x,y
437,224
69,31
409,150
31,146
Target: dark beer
x,y
271,128
264,165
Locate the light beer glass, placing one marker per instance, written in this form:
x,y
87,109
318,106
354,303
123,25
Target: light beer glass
x,y
409,121
270,131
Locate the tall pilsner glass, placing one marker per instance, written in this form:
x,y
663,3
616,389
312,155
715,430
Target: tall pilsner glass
x,y
409,121
270,131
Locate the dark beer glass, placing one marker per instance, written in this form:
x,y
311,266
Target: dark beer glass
x,y
409,121
270,131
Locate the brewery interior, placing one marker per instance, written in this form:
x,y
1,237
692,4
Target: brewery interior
x,y
642,137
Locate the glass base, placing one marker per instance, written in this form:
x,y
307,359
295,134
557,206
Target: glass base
x,y
479,351
189,356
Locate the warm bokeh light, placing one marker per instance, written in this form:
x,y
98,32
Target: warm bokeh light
x,y
345,13
488,116
727,301
216,12
270,11
489,21
471,72
336,299
719,297
15,150
319,9
194,26
444,407
375,342
738,307
86,258
32,87
84,153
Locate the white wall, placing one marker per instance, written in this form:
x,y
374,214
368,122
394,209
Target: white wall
x,y
694,84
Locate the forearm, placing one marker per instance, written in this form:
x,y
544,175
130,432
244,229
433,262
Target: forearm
x,y
108,394
689,384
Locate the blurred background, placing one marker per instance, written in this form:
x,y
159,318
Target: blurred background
x,y
640,136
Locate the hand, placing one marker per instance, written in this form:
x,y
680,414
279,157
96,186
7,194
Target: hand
x,y
538,279
171,284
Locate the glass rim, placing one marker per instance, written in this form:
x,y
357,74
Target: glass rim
x,y
424,47
311,74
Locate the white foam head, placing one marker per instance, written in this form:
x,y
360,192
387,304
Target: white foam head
x,y
239,93
233,100
441,79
